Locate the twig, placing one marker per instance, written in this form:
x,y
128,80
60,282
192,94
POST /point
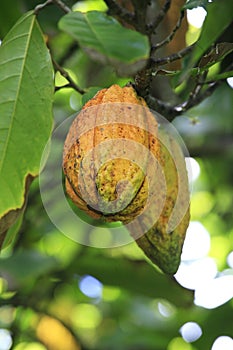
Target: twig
x,y
197,89
39,7
66,75
168,111
172,111
198,98
62,6
59,3
162,13
176,56
116,9
170,36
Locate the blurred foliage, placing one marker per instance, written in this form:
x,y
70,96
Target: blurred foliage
x,y
42,303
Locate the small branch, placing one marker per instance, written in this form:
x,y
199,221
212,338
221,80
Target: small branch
x,y
168,111
176,56
197,89
198,98
117,10
170,36
59,3
162,13
66,75
40,7
62,5
57,88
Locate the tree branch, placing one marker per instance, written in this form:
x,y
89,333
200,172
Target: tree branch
x,y
171,111
62,6
117,10
162,13
170,36
59,3
176,56
40,7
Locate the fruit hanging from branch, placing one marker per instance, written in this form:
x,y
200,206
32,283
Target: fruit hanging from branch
x,y
121,166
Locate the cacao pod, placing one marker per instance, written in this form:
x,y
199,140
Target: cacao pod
x,y
119,166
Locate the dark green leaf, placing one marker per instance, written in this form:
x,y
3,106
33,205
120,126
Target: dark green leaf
x,y
106,40
26,91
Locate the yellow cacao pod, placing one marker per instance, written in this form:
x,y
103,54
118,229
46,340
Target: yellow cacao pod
x,y
119,166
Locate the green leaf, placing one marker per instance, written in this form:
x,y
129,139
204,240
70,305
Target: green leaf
x,y
221,76
219,16
26,90
107,41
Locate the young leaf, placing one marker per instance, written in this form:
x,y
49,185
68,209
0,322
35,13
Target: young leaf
x,y
105,40
26,90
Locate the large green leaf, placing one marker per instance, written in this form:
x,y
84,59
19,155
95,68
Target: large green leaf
x,y
105,40
26,90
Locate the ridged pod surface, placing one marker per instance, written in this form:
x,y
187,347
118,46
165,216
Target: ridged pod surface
x,y
118,166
